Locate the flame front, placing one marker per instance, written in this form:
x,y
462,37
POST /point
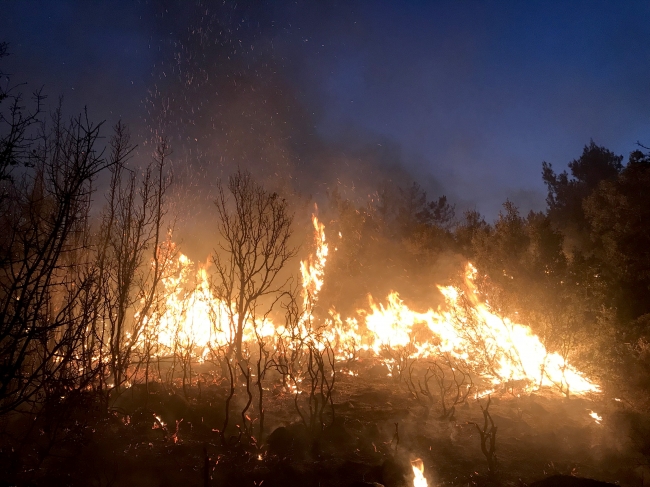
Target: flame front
x,y
501,350
465,327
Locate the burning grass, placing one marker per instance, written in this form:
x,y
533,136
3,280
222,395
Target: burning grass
x,y
495,349
390,395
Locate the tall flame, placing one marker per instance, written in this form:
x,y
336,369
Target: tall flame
x,y
312,271
418,473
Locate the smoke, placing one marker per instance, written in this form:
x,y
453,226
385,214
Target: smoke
x,y
228,91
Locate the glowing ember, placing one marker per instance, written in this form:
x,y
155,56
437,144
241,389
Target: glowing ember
x,y
418,473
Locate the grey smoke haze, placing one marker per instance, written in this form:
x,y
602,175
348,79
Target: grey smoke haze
x,y
467,99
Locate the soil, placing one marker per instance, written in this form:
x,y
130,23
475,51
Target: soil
x,y
161,438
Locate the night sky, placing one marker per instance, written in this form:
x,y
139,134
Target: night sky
x,y
467,98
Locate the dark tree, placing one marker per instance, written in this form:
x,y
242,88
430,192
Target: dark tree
x,y
415,210
618,212
566,193
46,287
254,227
17,124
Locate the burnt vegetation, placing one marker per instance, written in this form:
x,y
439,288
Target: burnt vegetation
x,y
90,394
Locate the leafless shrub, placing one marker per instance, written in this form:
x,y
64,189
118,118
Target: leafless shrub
x,y
453,381
231,394
47,283
318,388
132,233
454,384
19,126
254,230
421,390
488,436
398,360
265,362
293,342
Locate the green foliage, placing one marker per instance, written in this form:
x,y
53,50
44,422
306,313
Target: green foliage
x,y
471,227
578,273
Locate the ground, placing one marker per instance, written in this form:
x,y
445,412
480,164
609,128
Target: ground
x,y
377,429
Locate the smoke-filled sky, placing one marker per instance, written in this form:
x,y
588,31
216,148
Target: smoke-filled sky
x,y
466,98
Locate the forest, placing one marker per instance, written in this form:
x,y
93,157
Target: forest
x,y
280,361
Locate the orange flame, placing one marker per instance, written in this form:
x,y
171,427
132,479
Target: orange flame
x,y
470,331
418,473
313,269
466,328
313,272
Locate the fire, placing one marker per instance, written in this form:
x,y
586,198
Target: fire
x,y
418,473
391,326
192,318
313,269
596,417
465,327
312,272
500,349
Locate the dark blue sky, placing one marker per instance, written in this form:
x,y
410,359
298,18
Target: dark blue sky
x,y
467,98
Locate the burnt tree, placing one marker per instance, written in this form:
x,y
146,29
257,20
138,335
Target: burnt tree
x,y
47,287
132,256
254,227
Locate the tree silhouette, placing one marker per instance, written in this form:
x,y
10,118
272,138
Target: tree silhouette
x,y
255,227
